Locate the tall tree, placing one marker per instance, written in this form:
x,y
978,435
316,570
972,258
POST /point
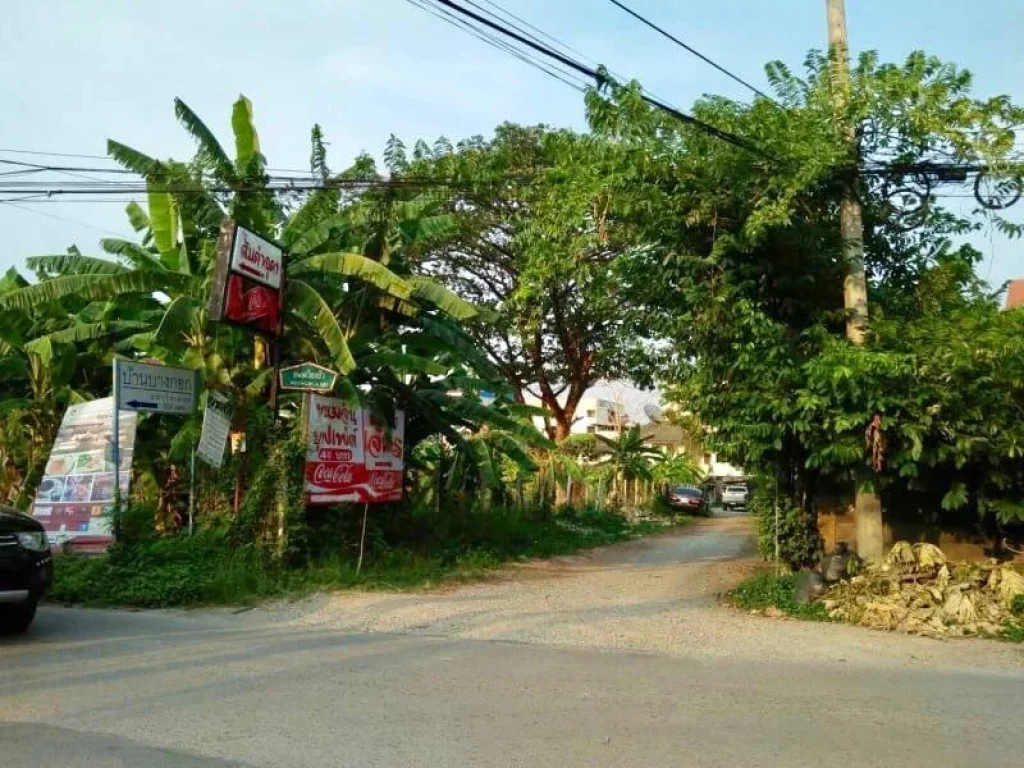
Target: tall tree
x,y
741,278
534,243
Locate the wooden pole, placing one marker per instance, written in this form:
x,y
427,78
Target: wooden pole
x,y
868,518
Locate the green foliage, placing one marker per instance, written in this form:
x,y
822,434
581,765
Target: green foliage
x,y
768,590
1014,634
1017,607
527,236
680,469
152,571
800,543
738,272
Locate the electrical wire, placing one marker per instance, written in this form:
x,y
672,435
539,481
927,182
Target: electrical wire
x,y
41,153
595,75
23,207
525,27
52,154
665,33
496,42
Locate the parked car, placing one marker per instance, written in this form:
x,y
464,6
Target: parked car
x,y
26,569
734,496
691,499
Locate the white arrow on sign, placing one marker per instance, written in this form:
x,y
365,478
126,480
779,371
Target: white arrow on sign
x,y
154,388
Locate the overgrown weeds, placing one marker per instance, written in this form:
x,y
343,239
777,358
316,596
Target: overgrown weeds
x,y
769,591
402,553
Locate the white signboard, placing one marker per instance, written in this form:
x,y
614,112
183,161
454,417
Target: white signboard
x,y
154,388
349,456
257,259
216,426
75,498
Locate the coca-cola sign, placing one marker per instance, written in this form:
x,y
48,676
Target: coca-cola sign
x,y
248,284
350,457
333,475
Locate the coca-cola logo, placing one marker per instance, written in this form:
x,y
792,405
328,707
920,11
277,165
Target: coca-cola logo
x,y
337,474
383,481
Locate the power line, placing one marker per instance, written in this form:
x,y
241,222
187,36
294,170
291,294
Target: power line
x,y
274,185
694,51
24,207
39,167
536,29
598,78
41,153
496,42
53,154
504,15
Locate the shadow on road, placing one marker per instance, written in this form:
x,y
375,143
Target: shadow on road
x,y
29,745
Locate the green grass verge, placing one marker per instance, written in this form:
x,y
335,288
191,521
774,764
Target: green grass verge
x,y
203,570
768,590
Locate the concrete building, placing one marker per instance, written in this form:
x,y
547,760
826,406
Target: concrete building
x,y
1015,294
596,415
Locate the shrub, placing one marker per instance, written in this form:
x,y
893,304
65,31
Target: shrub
x,y
769,590
800,541
405,547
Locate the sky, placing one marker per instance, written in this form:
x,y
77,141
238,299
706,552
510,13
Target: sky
x,y
73,73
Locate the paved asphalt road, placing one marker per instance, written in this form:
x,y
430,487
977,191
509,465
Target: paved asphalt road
x,y
209,689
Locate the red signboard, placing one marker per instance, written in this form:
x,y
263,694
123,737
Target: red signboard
x,y
349,456
248,287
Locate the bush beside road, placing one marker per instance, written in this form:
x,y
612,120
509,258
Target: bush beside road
x,y
156,572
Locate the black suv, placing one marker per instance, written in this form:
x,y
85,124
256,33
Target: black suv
x,y
26,569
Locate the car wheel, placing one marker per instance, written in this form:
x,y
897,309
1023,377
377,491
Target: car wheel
x,y
15,619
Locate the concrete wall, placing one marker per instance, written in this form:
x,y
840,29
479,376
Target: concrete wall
x,y
836,523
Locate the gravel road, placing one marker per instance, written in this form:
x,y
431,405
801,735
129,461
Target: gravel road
x,y
621,657
658,594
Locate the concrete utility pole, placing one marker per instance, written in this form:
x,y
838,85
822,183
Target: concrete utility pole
x,y
869,525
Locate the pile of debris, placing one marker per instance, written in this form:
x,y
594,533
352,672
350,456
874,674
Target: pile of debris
x,y
916,590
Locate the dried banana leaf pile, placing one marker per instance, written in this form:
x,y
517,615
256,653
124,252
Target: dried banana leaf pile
x,y
916,590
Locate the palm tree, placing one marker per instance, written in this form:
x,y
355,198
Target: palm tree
x,y
628,460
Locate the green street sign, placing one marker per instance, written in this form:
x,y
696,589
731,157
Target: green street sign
x,y
309,377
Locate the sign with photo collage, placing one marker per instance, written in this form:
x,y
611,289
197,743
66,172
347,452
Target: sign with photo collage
x,y
74,500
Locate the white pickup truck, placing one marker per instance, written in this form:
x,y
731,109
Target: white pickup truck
x,y
734,496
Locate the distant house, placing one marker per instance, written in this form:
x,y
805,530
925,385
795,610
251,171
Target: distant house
x,y
673,439
1015,294
595,415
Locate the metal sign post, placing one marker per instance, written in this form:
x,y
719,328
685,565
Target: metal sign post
x,y
115,452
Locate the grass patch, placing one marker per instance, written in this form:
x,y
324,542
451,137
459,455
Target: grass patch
x,y
205,570
769,590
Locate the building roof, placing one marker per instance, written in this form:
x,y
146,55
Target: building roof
x,y
662,434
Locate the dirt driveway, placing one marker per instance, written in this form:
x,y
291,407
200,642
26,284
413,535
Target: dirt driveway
x,y
659,594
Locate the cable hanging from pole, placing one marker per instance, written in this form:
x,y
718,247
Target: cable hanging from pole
x,y
694,51
599,78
